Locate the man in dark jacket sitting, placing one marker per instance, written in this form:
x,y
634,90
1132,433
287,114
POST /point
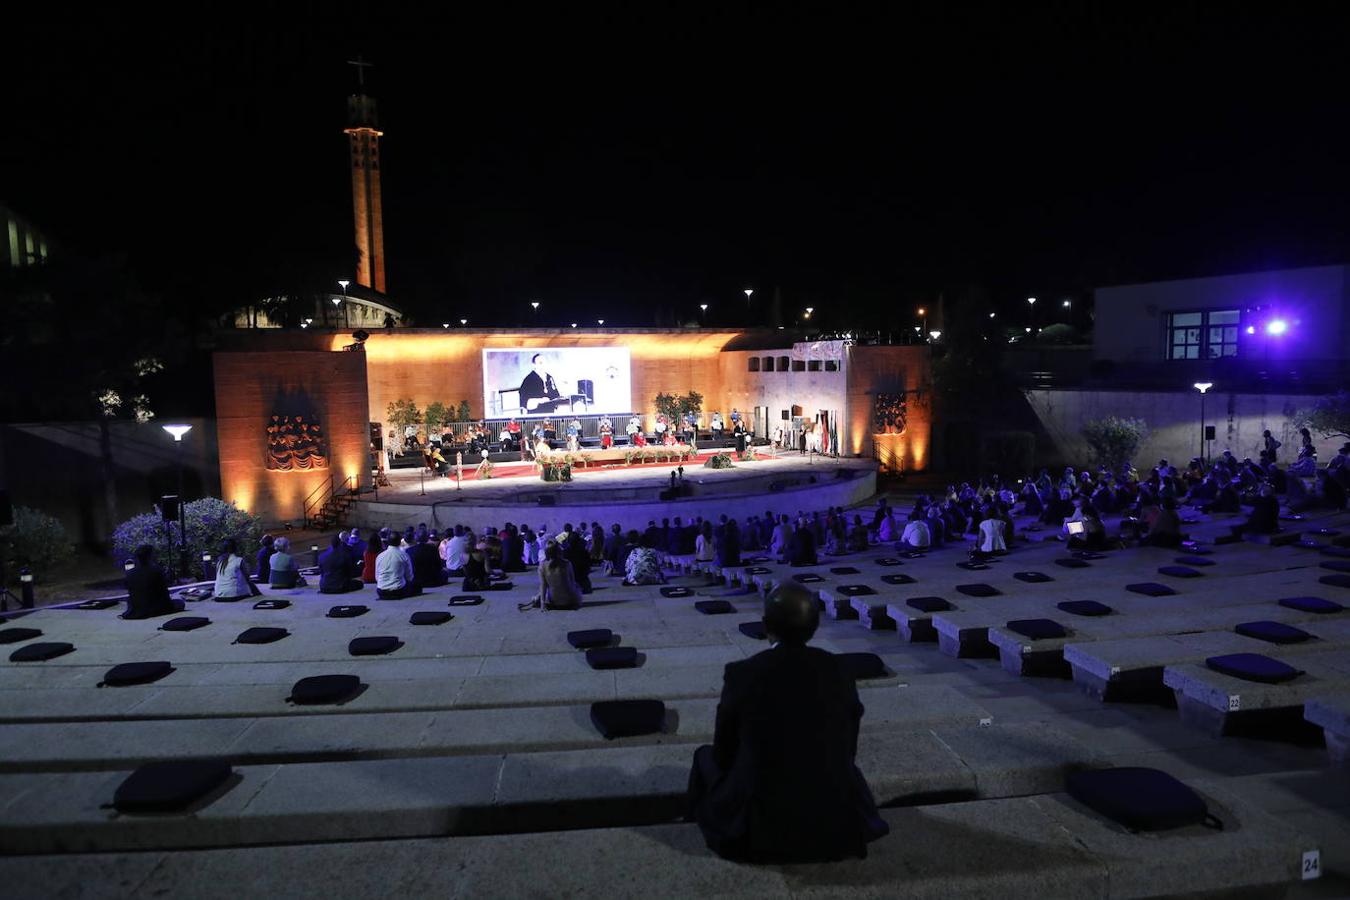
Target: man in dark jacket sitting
x,y
426,562
148,588
337,569
802,547
779,782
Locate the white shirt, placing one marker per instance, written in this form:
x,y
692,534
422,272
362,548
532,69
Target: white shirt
x,y
917,535
231,580
457,552
991,536
393,570
703,549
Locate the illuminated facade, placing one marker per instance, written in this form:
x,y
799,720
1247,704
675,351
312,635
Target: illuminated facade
x,y
367,209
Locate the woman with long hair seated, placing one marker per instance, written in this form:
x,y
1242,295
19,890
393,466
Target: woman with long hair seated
x,y
232,582
557,586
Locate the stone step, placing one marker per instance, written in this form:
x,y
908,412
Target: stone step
x,y
1221,704
1044,846
340,733
1330,711
496,794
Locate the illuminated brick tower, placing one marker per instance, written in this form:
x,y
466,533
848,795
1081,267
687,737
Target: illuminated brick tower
x,y
367,214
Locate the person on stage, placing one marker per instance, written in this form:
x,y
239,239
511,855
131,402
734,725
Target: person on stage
x,y
606,433
633,428
639,439
538,391
717,426
660,429
574,435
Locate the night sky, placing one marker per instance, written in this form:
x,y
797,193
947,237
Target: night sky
x,y
616,163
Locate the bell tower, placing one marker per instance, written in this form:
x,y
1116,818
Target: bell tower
x,y
367,215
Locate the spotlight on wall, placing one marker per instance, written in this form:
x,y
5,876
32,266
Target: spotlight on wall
x,y
1277,327
1251,329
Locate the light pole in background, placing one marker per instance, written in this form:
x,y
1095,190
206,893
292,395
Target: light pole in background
x,y
177,432
1031,304
344,282
1203,387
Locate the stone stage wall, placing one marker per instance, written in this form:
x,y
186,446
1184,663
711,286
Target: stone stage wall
x,y
631,507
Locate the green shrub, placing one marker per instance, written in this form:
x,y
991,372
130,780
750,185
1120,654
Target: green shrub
x,y
35,540
208,522
718,461
1329,416
1114,440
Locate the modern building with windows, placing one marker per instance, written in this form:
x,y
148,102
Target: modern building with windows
x,y
1266,344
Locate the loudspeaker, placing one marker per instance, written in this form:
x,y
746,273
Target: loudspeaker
x,y
547,500
6,509
168,507
1209,432
786,416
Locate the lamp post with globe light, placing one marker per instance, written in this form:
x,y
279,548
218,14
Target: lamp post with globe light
x,y
177,432
1203,387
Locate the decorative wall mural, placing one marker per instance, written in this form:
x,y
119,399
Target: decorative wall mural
x,y
295,443
888,414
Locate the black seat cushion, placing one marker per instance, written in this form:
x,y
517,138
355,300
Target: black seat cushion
x,y
928,604
96,604
1084,608
628,718
1337,565
430,617
375,645
1037,629
260,635
978,590
753,630
676,592
14,635
913,554
862,665
135,673
1272,632
347,612
1032,577
324,689
757,570
185,623
1089,554
807,578
1178,571
593,637
41,652
1253,667
272,604
972,566
1311,605
889,561
843,570
612,657
1150,589
897,578
1194,561
1336,580
1070,563
714,607
170,786
855,590
466,600
1140,799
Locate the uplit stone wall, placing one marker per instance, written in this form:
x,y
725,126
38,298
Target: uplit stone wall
x,y
253,386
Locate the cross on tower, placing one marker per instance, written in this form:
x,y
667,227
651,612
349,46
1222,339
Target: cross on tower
x,y
361,66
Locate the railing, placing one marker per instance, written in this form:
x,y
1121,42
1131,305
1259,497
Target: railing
x,y
317,498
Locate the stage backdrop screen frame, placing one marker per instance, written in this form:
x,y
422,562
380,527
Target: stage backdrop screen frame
x,y
566,381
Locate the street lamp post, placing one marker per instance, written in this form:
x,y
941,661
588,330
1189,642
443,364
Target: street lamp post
x,y
923,319
1203,387
703,313
177,432
1031,304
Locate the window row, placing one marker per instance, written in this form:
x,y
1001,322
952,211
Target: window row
x,y
1209,334
787,364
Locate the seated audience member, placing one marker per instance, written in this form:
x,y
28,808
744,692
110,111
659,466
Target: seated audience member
x,y
917,535
1093,536
888,531
802,548
784,711
356,547
374,545
937,529
476,571
513,550
232,581
613,547
557,588
1265,514
1226,499
264,559
337,569
782,534
991,531
704,550
729,545
857,536
148,588
641,565
394,579
574,551
1164,528
426,563
457,552
285,571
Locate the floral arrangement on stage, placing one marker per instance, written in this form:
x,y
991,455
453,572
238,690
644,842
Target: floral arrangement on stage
x,y
628,456
719,461
676,453
556,471
484,470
